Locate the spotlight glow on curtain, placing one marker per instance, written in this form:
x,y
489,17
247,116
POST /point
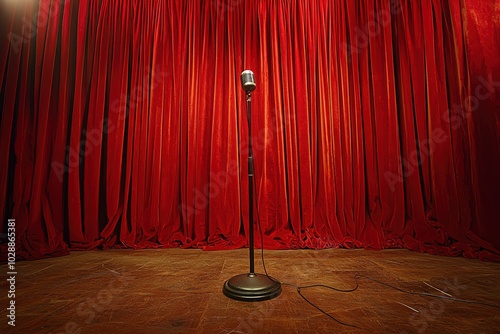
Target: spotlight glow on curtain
x,y
376,124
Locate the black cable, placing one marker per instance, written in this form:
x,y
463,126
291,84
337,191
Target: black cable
x,y
298,287
322,286
425,294
262,243
356,278
319,309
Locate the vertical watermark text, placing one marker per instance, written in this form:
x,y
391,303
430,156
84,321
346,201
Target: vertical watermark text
x,y
11,272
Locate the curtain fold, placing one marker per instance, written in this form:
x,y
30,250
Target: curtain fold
x,y
375,124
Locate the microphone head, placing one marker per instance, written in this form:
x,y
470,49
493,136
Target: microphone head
x,y
248,81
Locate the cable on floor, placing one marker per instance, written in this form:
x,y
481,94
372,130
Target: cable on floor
x,y
356,279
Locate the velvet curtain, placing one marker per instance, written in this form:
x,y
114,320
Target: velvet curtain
x,y
375,124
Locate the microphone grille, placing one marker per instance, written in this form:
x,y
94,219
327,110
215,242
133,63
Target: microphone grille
x,y
248,81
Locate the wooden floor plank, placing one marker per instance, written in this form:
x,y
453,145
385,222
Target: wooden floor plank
x,y
180,291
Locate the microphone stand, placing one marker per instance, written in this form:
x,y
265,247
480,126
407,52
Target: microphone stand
x,y
251,287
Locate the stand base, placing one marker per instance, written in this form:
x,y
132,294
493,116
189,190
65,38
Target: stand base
x,y
251,288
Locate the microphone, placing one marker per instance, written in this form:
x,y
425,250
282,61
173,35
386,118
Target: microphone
x,y
250,286
248,81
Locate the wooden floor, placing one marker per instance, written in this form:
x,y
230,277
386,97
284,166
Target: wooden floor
x,y
180,291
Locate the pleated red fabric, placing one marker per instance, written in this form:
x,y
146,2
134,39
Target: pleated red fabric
x,y
375,124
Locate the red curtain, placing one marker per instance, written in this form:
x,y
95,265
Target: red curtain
x,y
375,124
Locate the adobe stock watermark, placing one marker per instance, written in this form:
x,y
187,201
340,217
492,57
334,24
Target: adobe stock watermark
x,y
420,319
455,117
89,309
220,180
223,6
11,272
374,27
31,25
254,321
91,139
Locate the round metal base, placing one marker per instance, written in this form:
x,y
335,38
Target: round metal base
x,y
251,288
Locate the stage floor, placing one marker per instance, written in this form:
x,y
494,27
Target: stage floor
x,y
180,291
